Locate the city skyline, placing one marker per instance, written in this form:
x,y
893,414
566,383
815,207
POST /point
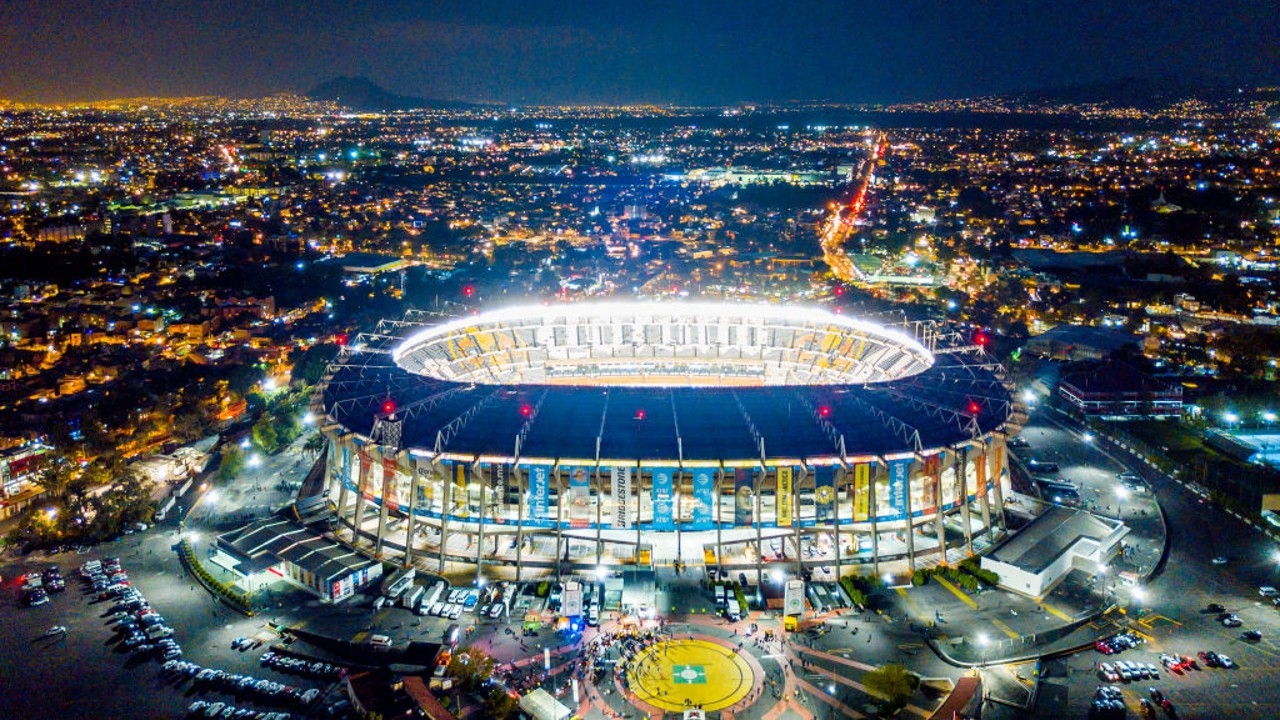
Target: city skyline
x,y
707,53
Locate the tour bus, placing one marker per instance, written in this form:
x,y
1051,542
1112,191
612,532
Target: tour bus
x,y
412,597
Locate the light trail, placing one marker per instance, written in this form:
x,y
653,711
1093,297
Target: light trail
x,y
843,220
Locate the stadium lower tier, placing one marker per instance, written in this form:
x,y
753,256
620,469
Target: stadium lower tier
x,y
543,514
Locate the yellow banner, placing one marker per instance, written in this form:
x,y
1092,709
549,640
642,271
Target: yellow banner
x,y
460,499
980,467
861,492
784,496
997,464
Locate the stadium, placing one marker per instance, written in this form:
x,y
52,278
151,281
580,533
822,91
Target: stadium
x,y
579,437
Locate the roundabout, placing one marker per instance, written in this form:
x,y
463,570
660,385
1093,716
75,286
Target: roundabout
x,y
677,675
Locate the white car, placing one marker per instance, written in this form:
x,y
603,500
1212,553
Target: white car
x,y
1267,591
1220,560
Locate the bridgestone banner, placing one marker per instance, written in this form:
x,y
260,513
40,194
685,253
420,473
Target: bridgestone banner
x,y
784,496
997,464
621,480
703,502
663,499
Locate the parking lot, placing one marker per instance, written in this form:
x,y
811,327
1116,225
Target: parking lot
x,y
85,672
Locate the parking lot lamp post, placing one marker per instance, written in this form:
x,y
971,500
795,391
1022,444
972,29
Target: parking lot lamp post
x,y
1122,494
983,643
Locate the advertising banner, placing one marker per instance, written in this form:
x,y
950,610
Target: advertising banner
x,y
824,492
426,486
980,468
579,497
932,474
621,479
365,462
664,499
743,496
539,491
390,484
347,482
704,485
784,496
899,470
997,463
958,480
461,474
499,475
862,492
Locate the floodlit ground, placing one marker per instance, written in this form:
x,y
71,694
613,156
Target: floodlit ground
x,y
679,674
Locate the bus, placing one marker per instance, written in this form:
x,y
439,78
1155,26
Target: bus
x,y
1058,492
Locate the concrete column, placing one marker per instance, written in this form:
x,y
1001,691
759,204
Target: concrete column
x,y
382,511
719,544
755,488
599,531
962,464
520,501
480,532
875,528
796,479
413,516
909,528
937,520
362,470
344,475
445,509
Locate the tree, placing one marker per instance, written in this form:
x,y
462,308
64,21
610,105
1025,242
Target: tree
x,y
892,683
232,464
265,434
498,705
314,445
472,667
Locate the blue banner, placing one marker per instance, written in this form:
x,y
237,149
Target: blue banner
x,y
539,491
898,472
663,497
703,504
743,496
824,492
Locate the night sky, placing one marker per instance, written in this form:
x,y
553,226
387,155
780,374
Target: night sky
x,y
617,51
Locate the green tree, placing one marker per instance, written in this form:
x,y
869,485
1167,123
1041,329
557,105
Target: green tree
x,y
471,667
232,464
892,683
498,705
314,445
265,435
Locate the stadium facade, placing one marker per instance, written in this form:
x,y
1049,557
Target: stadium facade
x,y
589,435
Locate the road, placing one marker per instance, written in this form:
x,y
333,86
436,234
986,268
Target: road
x,y
1172,613
843,220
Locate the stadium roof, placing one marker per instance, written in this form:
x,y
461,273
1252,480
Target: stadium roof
x,y
949,403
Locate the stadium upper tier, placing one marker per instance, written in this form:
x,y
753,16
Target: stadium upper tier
x,y
663,344
459,396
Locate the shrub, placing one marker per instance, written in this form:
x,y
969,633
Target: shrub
x,y
919,578
543,589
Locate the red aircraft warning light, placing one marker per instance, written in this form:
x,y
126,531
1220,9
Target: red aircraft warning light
x,y
388,407
974,407
526,410
824,411
640,414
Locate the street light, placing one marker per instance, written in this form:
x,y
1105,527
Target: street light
x,y
1122,494
1087,437
52,512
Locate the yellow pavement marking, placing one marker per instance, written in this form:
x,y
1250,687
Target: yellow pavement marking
x,y
674,674
910,601
359,637
1151,620
956,591
1005,628
1056,612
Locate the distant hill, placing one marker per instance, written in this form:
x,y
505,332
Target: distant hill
x,y
364,95
1130,91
